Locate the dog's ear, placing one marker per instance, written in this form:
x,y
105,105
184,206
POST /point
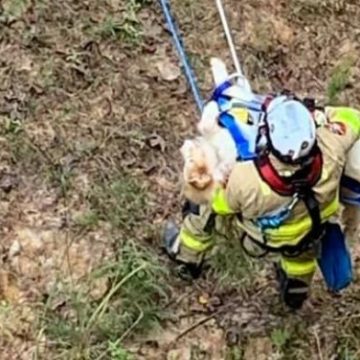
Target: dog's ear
x,y
200,178
219,71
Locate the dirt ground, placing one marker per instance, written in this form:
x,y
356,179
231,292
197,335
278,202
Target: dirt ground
x,y
93,110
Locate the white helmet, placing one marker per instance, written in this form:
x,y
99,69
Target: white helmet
x,y
291,128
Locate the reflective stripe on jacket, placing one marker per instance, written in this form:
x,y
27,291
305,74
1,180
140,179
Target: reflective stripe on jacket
x,y
247,194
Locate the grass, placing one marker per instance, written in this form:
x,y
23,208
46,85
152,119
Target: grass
x,y
136,281
318,7
118,353
279,338
339,79
14,8
12,126
127,27
234,353
89,219
230,265
348,338
131,305
105,313
121,202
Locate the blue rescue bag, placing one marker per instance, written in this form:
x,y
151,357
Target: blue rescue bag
x,y
335,259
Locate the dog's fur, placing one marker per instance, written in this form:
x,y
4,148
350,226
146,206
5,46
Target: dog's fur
x,y
209,158
203,171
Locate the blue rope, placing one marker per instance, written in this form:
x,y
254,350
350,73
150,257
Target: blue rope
x,y
181,52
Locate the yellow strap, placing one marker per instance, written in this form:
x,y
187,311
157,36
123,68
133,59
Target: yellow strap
x,y
193,243
292,233
220,204
295,267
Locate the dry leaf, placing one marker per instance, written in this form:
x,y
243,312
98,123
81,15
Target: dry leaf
x,y
8,289
15,249
283,32
258,349
167,70
203,299
157,142
165,184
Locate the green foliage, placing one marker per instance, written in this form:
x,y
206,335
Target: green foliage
x,y
338,81
121,202
234,353
347,354
12,126
230,265
132,304
14,8
128,27
280,337
118,353
87,220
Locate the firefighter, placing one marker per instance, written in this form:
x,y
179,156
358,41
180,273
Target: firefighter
x,y
283,201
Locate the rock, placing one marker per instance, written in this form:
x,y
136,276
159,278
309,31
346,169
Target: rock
x,y
15,249
168,71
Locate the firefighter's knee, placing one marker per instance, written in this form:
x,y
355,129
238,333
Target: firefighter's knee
x,y
295,275
193,249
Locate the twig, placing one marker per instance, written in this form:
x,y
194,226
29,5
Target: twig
x,y
318,345
196,325
204,321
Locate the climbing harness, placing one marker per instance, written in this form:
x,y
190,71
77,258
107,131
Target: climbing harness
x,y
276,218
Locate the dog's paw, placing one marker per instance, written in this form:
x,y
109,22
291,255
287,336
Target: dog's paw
x,y
209,119
219,71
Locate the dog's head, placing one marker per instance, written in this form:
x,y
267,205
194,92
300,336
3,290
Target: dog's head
x,y
200,163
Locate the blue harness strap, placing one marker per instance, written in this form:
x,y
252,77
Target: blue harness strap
x,y
354,187
218,92
227,121
242,145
